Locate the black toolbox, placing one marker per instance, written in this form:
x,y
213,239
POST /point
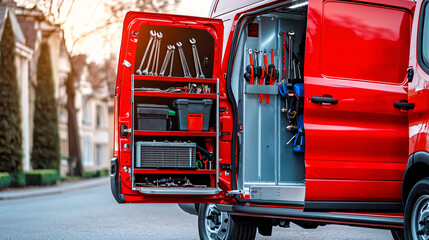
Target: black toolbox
x,y
152,117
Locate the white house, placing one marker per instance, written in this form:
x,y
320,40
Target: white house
x,y
23,56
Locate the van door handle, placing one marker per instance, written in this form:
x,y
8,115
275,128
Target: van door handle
x,y
403,105
321,100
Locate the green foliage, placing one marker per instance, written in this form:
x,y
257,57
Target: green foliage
x,y
90,174
103,172
10,109
41,177
5,180
18,180
70,178
46,148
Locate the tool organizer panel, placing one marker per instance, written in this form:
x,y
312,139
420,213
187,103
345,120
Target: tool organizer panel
x,y
174,52
166,159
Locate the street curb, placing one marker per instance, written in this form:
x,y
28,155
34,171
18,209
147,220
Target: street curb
x,y
59,189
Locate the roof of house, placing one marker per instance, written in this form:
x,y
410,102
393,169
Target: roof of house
x,y
19,35
3,12
30,32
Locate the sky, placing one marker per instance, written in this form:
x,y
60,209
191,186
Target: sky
x,y
99,46
194,7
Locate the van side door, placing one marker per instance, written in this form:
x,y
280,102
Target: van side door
x,y
357,55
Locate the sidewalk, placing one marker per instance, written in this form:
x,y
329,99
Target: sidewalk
x,y
57,189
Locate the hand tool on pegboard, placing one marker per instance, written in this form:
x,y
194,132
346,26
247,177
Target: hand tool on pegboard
x,y
250,70
272,75
197,63
152,34
260,73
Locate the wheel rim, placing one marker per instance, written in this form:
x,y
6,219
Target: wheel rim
x,y
216,223
420,219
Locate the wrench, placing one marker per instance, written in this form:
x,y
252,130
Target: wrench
x,y
290,34
260,73
198,69
256,51
166,58
185,67
146,70
172,59
152,36
294,68
156,58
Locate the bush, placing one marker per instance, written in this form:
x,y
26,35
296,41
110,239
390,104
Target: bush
x,y
18,180
10,107
103,172
41,177
46,148
90,174
5,180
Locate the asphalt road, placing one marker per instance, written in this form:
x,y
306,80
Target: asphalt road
x,y
94,214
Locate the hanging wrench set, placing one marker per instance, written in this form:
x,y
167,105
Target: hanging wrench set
x,y
288,79
153,48
292,90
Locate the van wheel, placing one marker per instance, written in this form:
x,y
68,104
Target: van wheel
x,y
398,234
214,224
416,215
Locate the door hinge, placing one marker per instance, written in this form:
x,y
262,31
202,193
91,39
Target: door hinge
x,y
125,131
225,167
236,192
410,74
224,133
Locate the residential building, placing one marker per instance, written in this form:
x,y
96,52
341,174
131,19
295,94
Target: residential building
x,y
92,101
24,54
36,30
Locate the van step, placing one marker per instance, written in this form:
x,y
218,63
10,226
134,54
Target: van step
x,y
283,193
364,219
178,191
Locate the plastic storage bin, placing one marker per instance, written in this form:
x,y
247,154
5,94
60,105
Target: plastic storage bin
x,y
152,117
193,115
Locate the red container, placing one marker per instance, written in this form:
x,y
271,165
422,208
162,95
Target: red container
x,y
195,122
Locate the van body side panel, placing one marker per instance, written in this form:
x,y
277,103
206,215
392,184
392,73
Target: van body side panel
x,y
356,52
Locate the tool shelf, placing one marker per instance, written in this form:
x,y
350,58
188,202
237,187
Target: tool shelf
x,y
167,171
174,95
205,181
175,79
174,133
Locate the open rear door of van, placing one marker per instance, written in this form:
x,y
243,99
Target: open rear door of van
x,y
167,110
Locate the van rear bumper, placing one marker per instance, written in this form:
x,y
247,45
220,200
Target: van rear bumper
x,y
114,180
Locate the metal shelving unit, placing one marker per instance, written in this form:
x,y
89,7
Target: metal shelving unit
x,y
212,190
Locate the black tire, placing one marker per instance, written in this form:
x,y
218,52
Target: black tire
x,y
416,209
398,234
213,224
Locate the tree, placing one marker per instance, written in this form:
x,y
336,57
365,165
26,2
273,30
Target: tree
x,y
58,12
46,148
10,110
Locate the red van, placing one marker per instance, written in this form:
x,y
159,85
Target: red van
x,y
270,112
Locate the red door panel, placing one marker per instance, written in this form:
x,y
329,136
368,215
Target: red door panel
x,y
356,52
135,38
